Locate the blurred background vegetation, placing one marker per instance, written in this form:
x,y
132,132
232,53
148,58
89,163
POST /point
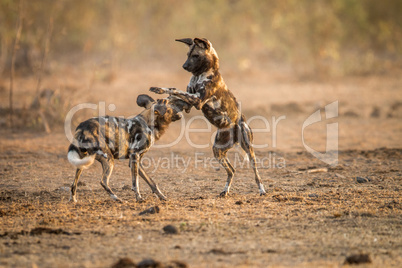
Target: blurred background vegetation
x,y
308,37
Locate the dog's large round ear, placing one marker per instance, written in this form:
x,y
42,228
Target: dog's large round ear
x,y
145,101
202,43
187,41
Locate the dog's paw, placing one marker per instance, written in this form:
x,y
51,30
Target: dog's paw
x,y
157,90
115,198
223,194
140,200
72,199
162,198
262,190
118,200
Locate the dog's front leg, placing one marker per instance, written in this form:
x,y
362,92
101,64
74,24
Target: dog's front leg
x,y
192,99
152,184
135,161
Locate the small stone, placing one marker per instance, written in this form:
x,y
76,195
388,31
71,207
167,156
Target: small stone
x,y
239,202
176,264
124,263
362,180
80,183
351,114
337,214
357,259
170,229
270,251
375,113
151,210
340,176
149,263
126,187
296,198
313,195
280,198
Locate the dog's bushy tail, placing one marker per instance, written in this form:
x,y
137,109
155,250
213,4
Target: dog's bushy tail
x,y
82,152
75,159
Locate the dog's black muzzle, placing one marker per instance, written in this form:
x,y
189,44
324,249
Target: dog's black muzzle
x,y
186,66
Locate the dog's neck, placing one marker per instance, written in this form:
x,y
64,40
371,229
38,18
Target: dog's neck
x,y
205,76
157,125
212,75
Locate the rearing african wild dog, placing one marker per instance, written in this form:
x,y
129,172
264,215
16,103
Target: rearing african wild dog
x,y
207,91
107,138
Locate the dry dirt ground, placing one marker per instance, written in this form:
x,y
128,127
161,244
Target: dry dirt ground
x,y
313,215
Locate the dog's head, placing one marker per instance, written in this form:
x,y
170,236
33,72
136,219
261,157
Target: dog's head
x,y
201,56
164,110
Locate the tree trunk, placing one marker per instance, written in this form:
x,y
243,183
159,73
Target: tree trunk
x,y
15,46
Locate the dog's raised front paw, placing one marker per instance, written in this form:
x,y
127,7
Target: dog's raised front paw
x,y
157,90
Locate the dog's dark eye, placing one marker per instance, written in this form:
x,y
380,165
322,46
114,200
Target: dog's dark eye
x,y
195,56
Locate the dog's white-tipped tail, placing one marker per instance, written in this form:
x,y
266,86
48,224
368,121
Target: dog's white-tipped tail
x,y
82,163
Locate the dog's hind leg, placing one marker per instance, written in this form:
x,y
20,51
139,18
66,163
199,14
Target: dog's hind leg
x,y
151,184
223,142
224,161
73,196
246,139
107,166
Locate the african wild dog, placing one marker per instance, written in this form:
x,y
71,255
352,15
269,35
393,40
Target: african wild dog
x,y
207,91
108,138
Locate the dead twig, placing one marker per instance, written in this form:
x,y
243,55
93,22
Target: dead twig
x,y
40,72
15,46
317,170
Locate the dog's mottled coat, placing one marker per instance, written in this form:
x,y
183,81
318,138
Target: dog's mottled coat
x,y
107,138
208,92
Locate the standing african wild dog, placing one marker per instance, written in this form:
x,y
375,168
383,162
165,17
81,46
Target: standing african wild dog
x,y
207,91
108,138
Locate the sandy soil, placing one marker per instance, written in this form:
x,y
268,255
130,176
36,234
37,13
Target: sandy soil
x,y
313,214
